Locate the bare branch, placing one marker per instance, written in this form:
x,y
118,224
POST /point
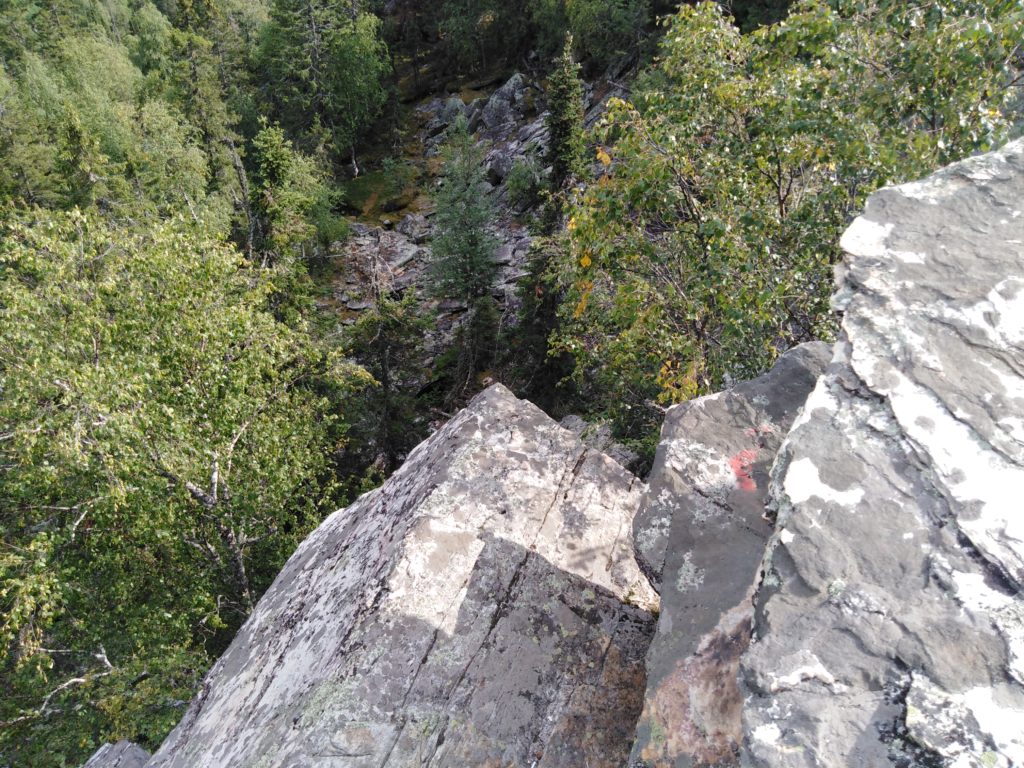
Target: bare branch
x,y
45,710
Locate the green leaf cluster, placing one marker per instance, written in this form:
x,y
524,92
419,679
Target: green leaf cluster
x,y
708,246
165,442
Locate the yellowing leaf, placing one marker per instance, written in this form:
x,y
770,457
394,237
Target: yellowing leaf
x,y
585,261
604,157
582,305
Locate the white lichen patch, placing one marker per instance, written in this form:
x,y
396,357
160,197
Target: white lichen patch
x,y
975,475
804,667
910,257
1000,716
700,465
690,576
866,238
654,532
932,190
962,726
803,482
1005,612
1000,315
768,733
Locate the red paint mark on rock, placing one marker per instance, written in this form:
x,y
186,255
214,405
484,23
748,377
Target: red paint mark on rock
x,y
741,464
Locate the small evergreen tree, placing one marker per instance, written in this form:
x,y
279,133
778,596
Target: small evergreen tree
x,y
463,265
566,151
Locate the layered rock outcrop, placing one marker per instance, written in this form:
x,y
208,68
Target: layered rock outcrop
x,y
123,754
482,608
890,622
700,535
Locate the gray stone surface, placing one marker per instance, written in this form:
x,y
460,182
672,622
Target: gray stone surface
x,y
123,754
701,533
482,608
890,624
599,436
505,108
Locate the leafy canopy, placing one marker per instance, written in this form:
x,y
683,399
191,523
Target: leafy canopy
x,y
165,443
707,247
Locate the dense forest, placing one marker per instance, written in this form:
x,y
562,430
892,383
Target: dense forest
x,y
180,403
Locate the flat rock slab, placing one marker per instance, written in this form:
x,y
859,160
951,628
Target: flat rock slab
x,y
482,608
123,754
701,533
891,619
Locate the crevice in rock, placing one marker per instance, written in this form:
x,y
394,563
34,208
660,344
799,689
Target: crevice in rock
x,y
904,751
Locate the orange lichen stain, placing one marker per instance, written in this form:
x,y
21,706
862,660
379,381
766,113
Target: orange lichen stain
x,y
741,464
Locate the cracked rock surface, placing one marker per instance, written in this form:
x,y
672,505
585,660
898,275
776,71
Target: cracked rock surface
x,y
123,754
890,623
701,533
482,608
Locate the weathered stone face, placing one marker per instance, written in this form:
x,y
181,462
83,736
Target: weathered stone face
x,y
123,754
482,608
891,619
701,533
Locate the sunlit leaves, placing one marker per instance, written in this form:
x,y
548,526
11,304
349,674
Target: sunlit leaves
x,y
707,246
133,364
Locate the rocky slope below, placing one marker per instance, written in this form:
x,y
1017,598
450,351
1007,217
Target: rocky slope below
x,y
389,249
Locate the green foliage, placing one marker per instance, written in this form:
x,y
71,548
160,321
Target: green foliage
x,y
389,340
606,29
707,248
527,366
110,122
478,33
323,65
525,183
476,340
750,14
481,33
168,423
463,265
292,199
164,442
565,120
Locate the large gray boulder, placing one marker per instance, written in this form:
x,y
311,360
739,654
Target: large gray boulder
x,y
123,754
701,534
482,608
505,108
890,625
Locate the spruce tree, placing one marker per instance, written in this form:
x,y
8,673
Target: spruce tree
x,y
566,151
463,265
463,248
